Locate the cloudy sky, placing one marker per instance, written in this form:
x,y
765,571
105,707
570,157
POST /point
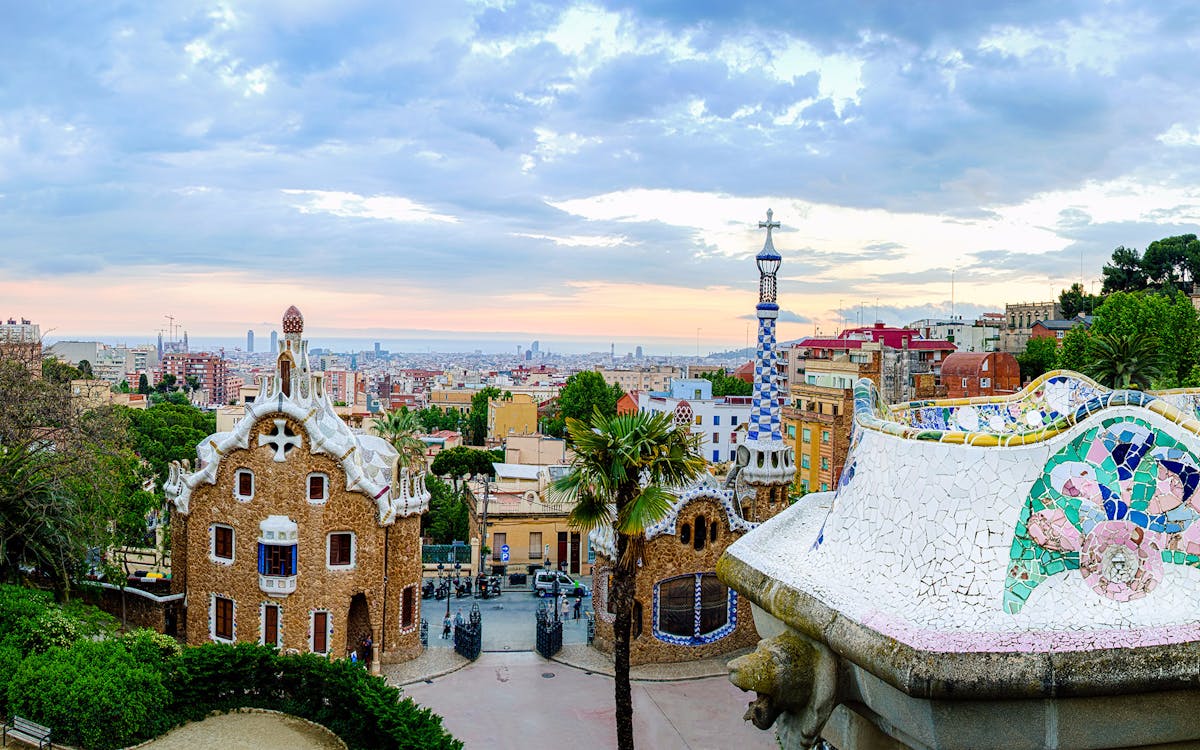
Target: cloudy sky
x,y
579,171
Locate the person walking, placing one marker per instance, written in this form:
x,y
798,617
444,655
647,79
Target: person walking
x,y
578,606
446,627
458,619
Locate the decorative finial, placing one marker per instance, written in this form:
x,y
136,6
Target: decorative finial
x,y
769,225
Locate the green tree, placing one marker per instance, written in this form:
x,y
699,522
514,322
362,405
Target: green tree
x,y
57,371
1073,354
168,432
1076,301
433,419
1172,262
461,461
724,385
400,428
477,419
1124,272
448,518
67,478
1168,318
85,368
166,384
582,394
612,455
1040,356
143,384
1125,360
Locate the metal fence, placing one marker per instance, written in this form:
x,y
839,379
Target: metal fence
x,y
446,553
549,632
468,638
424,633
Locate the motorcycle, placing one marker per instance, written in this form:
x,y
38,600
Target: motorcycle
x,y
442,591
462,588
427,590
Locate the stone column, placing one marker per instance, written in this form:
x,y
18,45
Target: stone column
x,y
377,640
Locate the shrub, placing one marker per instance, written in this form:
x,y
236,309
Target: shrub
x,y
360,708
151,648
94,694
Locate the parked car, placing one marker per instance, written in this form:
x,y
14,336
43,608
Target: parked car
x,y
543,584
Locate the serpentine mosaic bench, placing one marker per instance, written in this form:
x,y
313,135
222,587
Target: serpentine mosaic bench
x,y
1033,546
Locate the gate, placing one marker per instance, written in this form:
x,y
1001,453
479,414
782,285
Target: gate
x,y
468,638
549,632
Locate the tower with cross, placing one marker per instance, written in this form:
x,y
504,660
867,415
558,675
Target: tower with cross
x,y
764,461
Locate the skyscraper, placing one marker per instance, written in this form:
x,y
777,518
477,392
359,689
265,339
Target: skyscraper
x,y
274,342
250,341
638,352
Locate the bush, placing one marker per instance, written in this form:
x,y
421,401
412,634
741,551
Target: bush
x,y
360,708
94,694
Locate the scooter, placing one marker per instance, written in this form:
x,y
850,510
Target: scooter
x,y
443,591
427,590
462,588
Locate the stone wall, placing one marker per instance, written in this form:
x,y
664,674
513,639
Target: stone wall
x,y
666,556
140,612
280,488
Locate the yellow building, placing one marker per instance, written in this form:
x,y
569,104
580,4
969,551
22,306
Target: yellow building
x,y
515,414
818,423
458,399
535,532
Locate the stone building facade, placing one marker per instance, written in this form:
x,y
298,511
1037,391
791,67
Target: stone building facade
x,y
681,611
1019,320
295,532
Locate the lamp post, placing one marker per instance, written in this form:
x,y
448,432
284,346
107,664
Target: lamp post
x,y
487,486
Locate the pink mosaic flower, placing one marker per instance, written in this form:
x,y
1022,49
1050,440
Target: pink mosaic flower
x,y
1121,560
1053,530
1168,491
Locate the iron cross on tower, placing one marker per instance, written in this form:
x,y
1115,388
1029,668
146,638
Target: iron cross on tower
x,y
768,264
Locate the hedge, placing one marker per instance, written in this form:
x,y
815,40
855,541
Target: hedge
x,y
65,667
360,708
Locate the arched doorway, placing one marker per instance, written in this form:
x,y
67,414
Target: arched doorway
x,y
358,627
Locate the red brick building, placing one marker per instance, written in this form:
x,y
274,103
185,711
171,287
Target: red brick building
x,y
209,370
970,374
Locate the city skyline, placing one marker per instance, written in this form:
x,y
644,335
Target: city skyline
x,y
583,172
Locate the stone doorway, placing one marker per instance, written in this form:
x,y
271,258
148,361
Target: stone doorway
x,y
358,628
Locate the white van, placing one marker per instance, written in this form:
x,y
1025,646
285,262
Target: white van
x,y
543,583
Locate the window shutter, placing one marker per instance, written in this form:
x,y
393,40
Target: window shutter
x,y
292,560
262,558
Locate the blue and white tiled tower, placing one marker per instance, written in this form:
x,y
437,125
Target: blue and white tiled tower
x,y
765,461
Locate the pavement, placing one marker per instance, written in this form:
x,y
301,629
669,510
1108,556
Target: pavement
x,y
511,697
517,699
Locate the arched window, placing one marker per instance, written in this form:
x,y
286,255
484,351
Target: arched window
x,y
694,609
683,414
685,534
712,532
701,534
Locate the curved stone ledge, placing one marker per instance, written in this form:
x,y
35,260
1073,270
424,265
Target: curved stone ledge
x,y
971,675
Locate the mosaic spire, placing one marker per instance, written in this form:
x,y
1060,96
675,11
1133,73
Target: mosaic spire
x,y
764,411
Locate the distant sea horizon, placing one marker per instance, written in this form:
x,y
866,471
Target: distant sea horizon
x,y
447,343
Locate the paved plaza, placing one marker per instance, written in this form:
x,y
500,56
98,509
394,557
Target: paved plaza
x,y
517,700
513,698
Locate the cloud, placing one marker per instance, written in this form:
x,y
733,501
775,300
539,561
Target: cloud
x,y
350,205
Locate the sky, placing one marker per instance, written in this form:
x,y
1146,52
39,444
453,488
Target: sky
x,y
585,172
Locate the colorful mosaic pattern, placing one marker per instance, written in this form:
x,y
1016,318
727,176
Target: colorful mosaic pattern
x,y
765,423
1115,503
1046,407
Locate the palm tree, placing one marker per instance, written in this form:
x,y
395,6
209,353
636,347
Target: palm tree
x,y
617,477
1124,361
400,428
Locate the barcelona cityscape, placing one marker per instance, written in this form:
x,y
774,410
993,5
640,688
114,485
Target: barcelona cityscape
x,y
508,373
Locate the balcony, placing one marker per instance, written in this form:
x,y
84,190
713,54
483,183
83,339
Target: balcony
x,y
277,586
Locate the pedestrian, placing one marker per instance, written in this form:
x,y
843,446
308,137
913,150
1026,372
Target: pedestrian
x,y
578,607
458,619
563,606
368,646
446,627
353,657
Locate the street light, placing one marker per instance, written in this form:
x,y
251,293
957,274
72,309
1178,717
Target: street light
x,y
444,578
